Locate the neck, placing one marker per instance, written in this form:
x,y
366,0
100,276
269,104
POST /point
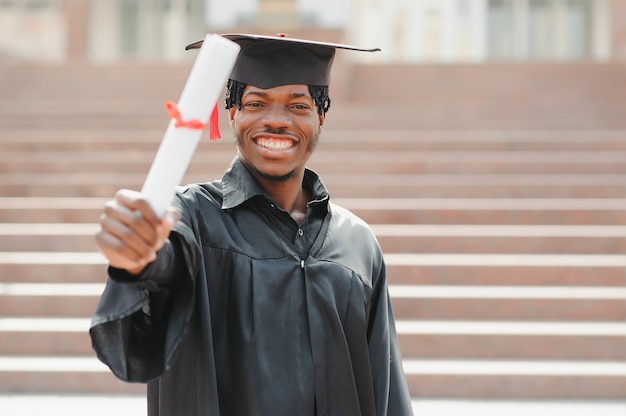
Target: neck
x,y
288,194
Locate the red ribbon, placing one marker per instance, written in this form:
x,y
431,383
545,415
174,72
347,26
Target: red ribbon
x,y
194,124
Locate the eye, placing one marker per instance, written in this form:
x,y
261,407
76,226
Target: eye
x,y
300,106
253,104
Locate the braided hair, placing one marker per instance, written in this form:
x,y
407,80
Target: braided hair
x,y
234,92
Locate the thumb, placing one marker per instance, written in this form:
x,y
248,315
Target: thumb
x,y
168,222
171,217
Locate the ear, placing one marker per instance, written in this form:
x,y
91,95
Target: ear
x,y
231,116
322,118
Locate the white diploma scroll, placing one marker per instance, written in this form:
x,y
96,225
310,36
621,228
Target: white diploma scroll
x,y
206,80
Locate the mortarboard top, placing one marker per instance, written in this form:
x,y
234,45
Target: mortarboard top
x,y
270,61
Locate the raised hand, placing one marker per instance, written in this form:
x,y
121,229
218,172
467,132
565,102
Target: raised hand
x,y
130,232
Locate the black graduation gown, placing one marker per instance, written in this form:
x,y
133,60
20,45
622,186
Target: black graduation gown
x,y
254,328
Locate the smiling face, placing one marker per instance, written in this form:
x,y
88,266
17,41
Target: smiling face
x,y
277,130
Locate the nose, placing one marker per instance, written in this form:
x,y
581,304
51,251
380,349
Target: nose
x,y
277,117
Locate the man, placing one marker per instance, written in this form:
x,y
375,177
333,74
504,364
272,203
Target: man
x,y
254,295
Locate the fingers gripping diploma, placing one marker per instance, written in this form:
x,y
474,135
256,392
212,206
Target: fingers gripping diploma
x,y
131,233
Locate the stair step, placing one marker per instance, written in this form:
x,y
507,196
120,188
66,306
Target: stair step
x,y
524,379
393,238
568,180
335,139
510,309
427,378
42,343
418,339
410,302
536,211
410,327
54,375
329,162
516,367
566,303
94,404
105,405
467,245
539,340
392,259
396,291
402,273
88,185
513,347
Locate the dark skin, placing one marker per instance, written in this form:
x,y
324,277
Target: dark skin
x,y
276,130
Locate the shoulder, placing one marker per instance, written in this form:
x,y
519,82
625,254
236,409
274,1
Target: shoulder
x,y
199,194
347,222
351,242
196,203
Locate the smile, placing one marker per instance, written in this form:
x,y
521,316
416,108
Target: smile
x,y
275,144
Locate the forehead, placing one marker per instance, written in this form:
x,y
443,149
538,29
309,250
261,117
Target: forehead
x,y
281,90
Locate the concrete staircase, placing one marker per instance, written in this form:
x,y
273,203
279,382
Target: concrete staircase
x,y
505,244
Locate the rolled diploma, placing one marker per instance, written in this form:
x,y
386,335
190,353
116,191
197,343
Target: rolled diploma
x,y
206,80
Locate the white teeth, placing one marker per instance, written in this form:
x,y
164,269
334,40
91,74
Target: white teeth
x,y
275,144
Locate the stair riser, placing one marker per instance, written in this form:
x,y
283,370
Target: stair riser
x,y
22,188
148,140
372,216
420,346
34,382
80,163
413,308
507,275
399,275
515,347
426,386
45,343
517,387
519,245
510,309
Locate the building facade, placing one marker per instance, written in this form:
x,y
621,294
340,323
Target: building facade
x,y
408,31
486,30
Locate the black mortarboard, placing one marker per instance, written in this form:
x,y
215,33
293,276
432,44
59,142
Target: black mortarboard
x,y
270,61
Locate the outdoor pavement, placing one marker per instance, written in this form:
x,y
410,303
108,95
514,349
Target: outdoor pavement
x,y
22,405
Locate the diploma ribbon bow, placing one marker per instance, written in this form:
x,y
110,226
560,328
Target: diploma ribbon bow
x,y
193,124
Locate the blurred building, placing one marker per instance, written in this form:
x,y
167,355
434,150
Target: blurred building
x,y
486,30
408,31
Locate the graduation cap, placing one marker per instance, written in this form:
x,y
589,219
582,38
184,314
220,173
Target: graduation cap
x,y
270,61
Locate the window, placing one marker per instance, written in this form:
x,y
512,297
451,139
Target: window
x,y
145,29
540,29
500,29
578,29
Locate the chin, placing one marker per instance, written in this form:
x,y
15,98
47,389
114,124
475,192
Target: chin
x,y
276,177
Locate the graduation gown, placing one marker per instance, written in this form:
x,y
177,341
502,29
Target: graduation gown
x,y
252,326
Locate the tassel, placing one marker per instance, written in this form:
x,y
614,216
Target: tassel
x,y
214,128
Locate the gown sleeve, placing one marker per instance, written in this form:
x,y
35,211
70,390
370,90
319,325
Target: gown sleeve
x,y
138,323
390,386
